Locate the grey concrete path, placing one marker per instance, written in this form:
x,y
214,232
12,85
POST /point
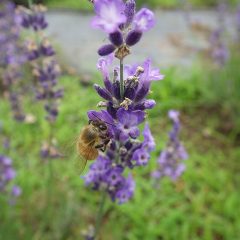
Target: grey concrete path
x,y
170,43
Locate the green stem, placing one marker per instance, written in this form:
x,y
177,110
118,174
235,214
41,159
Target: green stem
x,y
30,3
121,80
100,215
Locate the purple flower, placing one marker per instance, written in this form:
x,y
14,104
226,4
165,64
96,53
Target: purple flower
x,y
128,121
127,190
144,20
141,157
218,48
148,142
220,54
150,74
116,18
34,19
16,191
171,159
47,90
109,15
7,174
104,63
124,95
11,56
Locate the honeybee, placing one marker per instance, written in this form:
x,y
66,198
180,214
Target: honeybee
x,y
92,138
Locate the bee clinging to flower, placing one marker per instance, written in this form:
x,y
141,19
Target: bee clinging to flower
x,y
93,137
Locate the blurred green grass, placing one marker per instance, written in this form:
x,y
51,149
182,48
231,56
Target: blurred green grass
x,y
203,204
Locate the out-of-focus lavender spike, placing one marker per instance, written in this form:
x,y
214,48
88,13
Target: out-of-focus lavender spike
x,y
238,21
7,174
171,159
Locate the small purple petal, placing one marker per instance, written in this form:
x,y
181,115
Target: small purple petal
x,y
149,142
130,118
144,20
110,14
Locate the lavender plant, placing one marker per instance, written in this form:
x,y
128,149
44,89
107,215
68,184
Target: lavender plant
x,y
171,160
238,21
124,96
45,69
12,57
7,174
218,47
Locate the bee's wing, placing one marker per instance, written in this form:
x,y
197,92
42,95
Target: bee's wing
x,y
68,147
80,164
86,152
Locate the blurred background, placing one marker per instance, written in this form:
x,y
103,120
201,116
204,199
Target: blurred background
x,y
196,45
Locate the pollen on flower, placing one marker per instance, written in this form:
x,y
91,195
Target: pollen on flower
x,y
126,103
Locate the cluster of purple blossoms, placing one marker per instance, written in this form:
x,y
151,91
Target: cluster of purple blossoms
x,y
46,70
171,159
41,55
123,25
12,57
124,96
219,50
7,174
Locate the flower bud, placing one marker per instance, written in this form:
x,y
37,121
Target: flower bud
x,y
116,90
103,92
106,50
116,38
133,37
142,93
129,93
108,84
147,104
46,49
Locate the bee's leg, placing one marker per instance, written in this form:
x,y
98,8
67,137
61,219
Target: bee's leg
x,y
106,141
101,147
102,136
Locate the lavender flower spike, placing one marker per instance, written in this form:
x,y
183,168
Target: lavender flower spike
x,y
171,160
124,94
124,26
7,174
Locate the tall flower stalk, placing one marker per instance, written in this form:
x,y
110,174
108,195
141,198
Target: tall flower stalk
x,y
45,69
7,174
124,102
12,57
218,48
171,160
